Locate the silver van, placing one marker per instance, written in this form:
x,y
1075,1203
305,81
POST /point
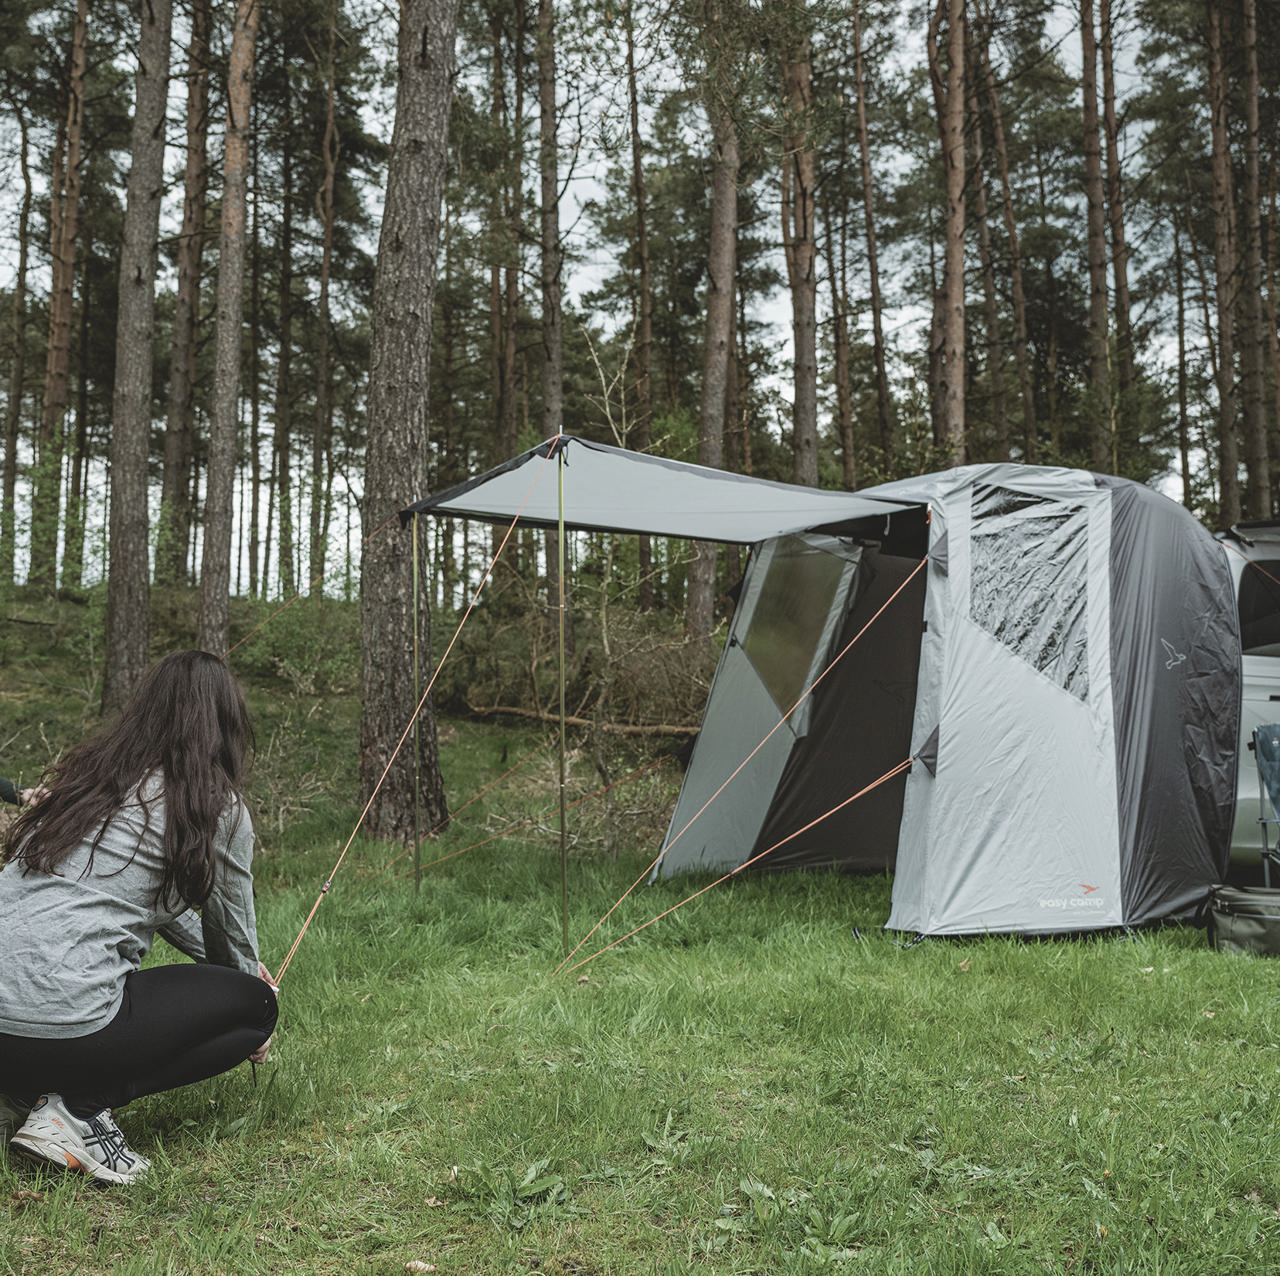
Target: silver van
x,y
1253,553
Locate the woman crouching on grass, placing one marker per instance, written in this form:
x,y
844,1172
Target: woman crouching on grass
x,y
137,827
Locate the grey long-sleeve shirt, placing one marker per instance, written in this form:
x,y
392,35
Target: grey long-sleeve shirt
x,y
67,940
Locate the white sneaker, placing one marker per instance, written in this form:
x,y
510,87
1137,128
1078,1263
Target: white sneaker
x,y
12,1115
93,1146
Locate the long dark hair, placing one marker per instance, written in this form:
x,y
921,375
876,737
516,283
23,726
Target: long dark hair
x,y
188,722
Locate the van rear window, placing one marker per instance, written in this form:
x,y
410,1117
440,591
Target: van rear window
x,y
1260,607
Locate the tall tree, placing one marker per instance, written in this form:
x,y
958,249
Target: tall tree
x,y
395,459
1100,448
1116,215
1253,407
18,362
721,269
949,100
643,355
129,577
213,625
1021,356
173,545
1224,237
884,410
64,222
799,240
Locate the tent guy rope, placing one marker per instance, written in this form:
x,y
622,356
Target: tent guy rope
x,y
904,765
808,691
404,735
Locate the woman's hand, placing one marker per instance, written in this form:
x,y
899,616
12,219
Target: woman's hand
x,y
260,1054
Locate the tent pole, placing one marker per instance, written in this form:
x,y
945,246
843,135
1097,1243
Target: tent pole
x,y
564,851
417,717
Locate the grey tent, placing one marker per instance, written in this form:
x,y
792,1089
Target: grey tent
x,y
1055,653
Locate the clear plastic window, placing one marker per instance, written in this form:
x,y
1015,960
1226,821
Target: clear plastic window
x,y
1028,581
787,624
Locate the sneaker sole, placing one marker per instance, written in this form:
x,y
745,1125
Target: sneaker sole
x,y
52,1154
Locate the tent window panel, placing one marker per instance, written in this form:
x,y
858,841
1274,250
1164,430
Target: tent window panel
x,y
1260,608
1028,581
790,614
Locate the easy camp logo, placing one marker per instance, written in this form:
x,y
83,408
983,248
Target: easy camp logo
x,y
1084,896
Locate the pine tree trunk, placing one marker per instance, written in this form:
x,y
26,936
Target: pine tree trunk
x,y
64,214
1225,264
838,271
1021,356
1184,428
644,289
1115,213
801,252
884,406
949,97
395,460
128,631
283,438
322,434
173,545
1253,407
721,269
1099,405
213,623
18,364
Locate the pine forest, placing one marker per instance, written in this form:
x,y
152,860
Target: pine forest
x,y
272,269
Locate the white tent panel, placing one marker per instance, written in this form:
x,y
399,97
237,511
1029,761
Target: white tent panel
x,y
1021,815
608,489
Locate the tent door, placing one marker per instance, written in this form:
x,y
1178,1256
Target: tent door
x,y
794,603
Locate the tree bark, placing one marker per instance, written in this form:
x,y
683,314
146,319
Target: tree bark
x,y
213,623
173,546
1253,407
644,302
1115,215
1099,405
128,633
64,215
884,403
721,269
799,190
1021,356
991,311
949,97
282,441
18,365
395,460
322,434
1224,263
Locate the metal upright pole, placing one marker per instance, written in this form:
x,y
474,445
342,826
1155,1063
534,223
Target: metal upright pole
x,y
417,717
564,844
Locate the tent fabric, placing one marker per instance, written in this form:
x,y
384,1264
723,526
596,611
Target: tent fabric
x,y
1063,671
1073,711
609,489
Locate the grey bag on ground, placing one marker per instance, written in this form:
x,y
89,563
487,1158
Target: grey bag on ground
x,y
1245,921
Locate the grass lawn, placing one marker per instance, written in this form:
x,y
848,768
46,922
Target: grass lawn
x,y
761,1082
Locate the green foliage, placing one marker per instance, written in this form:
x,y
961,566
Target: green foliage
x,y
759,1081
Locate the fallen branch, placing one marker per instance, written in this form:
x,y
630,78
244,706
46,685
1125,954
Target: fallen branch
x,y
614,728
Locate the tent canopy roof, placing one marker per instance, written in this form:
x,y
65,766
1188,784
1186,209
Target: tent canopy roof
x,y
609,489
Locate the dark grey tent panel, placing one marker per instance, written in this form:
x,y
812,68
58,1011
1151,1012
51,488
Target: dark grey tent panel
x,y
873,685
1177,700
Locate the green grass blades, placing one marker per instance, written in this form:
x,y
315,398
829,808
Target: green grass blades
x,y
760,1082
745,1086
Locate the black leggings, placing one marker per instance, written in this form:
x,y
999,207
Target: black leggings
x,y
176,1025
